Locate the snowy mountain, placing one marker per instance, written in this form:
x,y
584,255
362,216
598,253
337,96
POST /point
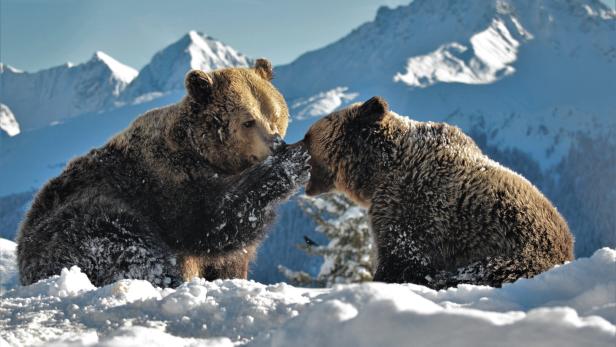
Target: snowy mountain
x,y
531,80
322,103
8,123
166,71
570,305
49,96
33,157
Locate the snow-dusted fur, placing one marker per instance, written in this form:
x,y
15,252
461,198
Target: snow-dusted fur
x,y
185,191
442,213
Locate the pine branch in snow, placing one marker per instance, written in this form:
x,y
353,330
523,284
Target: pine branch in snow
x,y
349,256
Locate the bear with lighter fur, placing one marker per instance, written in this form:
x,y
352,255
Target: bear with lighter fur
x,y
186,190
441,212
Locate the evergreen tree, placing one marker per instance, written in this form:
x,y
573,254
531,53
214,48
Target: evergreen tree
x,y
349,255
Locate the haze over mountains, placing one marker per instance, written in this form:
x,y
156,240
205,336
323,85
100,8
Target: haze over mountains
x,y
531,80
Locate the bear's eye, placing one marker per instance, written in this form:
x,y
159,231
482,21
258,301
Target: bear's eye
x,y
249,124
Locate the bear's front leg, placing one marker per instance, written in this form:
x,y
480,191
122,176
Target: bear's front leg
x,y
402,255
393,269
244,211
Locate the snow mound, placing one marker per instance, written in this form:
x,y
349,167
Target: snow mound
x,y
8,123
70,283
8,265
571,305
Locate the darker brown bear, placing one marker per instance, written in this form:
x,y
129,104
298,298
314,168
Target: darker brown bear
x,y
441,212
185,191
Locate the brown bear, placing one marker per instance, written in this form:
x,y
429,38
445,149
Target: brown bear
x,y
186,190
441,212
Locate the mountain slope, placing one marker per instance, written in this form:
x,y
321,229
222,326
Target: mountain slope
x,y
374,53
8,123
166,71
33,157
41,98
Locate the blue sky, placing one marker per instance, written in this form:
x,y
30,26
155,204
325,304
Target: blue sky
x,y
36,34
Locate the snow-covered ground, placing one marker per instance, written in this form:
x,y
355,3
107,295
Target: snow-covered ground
x,y
8,268
571,305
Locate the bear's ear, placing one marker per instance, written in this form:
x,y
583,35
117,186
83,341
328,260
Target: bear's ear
x,y
373,110
199,86
263,67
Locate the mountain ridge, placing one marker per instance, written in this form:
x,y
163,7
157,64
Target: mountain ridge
x,y
51,95
103,83
8,123
165,71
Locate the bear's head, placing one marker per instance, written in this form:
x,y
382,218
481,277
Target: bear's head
x,y
235,116
345,150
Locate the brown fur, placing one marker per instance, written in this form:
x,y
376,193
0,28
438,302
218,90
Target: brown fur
x,y
442,213
184,191
232,265
237,96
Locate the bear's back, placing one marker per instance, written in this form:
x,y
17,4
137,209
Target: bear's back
x,y
465,200
101,172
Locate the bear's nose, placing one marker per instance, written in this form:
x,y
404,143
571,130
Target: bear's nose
x,y
277,142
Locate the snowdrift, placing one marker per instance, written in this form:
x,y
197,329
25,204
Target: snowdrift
x,y
571,305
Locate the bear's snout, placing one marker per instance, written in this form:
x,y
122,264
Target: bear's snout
x,y
277,142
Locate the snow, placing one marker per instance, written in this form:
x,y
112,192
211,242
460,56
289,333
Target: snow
x,y
166,71
488,59
570,305
322,103
8,267
209,54
8,123
28,160
122,72
70,283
